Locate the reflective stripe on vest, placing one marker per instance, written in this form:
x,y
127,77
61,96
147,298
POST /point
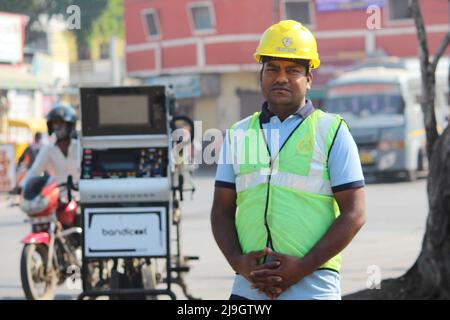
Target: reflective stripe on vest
x,y
290,196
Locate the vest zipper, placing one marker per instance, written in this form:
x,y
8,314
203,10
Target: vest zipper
x,y
266,224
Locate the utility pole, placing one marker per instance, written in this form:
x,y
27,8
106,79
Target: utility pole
x,y
276,11
116,71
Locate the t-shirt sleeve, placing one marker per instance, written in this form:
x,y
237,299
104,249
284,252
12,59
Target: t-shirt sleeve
x,y
344,165
225,177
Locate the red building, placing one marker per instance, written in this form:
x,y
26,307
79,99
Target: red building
x,y
205,47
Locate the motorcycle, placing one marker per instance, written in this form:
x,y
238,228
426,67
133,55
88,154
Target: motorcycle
x,y
54,245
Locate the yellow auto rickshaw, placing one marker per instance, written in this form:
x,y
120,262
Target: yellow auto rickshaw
x,y
21,133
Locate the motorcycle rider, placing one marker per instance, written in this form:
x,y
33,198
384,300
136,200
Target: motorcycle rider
x,y
60,158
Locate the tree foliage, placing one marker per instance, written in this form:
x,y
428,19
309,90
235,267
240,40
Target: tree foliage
x,y
90,12
110,22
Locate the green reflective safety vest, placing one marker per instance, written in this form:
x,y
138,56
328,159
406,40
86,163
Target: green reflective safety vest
x,y
286,201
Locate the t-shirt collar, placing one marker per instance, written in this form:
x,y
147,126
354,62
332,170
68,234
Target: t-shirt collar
x,y
302,112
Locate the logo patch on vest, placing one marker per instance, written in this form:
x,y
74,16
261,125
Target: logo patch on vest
x,y
305,146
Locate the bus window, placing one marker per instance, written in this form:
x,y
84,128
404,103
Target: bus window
x,y
366,105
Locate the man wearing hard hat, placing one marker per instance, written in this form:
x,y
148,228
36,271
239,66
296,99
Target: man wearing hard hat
x,y
289,191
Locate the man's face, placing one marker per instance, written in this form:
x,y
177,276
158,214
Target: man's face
x,y
60,128
285,83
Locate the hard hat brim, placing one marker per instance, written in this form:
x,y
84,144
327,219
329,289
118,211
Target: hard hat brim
x,y
314,63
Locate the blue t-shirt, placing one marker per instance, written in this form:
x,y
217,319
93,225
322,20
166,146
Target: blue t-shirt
x,y
344,165
345,173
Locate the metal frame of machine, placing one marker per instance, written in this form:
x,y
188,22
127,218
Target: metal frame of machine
x,y
119,187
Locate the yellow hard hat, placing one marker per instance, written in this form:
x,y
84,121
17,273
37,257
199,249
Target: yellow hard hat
x,y
288,39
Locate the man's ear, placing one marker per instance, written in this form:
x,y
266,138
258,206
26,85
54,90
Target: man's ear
x,y
309,79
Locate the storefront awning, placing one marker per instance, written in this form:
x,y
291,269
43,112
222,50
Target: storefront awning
x,y
35,125
11,79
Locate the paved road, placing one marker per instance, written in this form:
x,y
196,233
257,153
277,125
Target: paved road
x,y
390,241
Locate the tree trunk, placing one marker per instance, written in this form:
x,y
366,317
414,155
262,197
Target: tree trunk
x,y
429,277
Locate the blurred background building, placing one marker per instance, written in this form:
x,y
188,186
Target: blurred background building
x,y
21,90
43,62
205,48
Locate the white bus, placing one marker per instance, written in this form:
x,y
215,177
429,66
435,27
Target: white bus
x,y
381,105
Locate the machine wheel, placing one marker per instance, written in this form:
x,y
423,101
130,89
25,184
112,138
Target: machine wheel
x,y
36,285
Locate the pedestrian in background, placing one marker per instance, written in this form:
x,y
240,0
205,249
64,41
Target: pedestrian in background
x,y
29,155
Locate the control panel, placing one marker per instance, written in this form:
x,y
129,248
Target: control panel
x,y
124,163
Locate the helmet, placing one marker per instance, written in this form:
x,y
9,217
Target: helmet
x,y
65,113
291,40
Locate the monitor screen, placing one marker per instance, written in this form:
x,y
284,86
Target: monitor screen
x,y
123,110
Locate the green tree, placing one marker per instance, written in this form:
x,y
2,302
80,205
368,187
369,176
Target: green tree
x,y
91,11
33,9
110,23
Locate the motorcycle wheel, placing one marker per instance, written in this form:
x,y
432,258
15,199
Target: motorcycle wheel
x,y
35,284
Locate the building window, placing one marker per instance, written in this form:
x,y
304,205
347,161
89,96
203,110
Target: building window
x,y
39,42
299,10
202,16
399,10
151,23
